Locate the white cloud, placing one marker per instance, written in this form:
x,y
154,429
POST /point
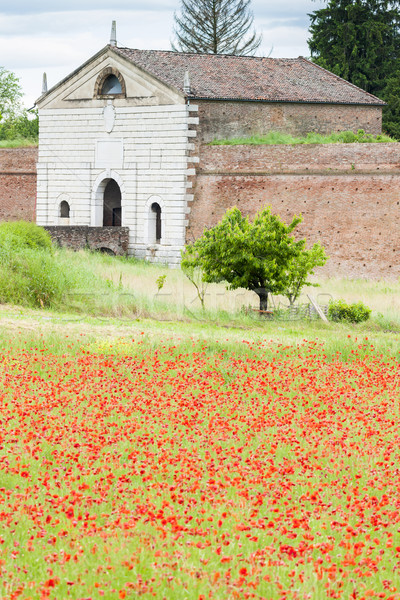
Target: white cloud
x,y
58,37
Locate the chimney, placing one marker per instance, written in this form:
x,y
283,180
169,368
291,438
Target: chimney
x,y
44,84
113,36
186,83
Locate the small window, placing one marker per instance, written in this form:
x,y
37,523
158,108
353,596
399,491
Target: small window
x,y
111,86
110,83
157,210
64,210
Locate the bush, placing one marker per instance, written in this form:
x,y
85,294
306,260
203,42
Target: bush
x,y
30,278
29,273
338,310
23,126
21,234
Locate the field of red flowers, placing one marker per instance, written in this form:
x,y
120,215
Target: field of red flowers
x,y
269,473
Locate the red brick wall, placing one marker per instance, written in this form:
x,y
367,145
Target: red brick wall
x,y
221,120
348,195
17,183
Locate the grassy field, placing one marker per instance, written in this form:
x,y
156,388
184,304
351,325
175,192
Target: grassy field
x,y
150,449
107,277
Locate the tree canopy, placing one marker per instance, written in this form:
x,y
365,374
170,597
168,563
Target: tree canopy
x,y
359,40
10,94
215,27
262,256
15,121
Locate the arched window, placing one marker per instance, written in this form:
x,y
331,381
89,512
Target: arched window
x,y
156,210
111,85
64,209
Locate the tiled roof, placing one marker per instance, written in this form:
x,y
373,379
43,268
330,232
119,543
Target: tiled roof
x,y
219,76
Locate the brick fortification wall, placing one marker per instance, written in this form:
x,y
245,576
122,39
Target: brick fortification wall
x,y
225,120
18,183
348,195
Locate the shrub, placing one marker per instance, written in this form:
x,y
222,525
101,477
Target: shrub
x,y
30,278
338,310
21,234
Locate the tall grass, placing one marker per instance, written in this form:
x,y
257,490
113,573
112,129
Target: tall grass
x,y
278,138
18,143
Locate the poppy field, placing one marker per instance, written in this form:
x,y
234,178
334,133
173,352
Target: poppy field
x,y
143,471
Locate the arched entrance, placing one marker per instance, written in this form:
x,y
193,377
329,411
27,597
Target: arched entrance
x,y
112,212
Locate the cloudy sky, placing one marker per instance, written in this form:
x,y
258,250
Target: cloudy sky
x,y
57,36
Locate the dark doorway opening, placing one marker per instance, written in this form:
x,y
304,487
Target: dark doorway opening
x,y
112,212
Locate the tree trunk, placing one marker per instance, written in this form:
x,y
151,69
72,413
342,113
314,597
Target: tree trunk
x,y
262,293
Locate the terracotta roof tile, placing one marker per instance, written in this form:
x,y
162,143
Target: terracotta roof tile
x,y
219,76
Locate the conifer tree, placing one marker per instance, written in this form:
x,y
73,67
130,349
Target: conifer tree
x,y
359,40
215,27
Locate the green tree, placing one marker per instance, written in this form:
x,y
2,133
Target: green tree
x,y
215,27
359,40
15,121
10,94
257,255
301,268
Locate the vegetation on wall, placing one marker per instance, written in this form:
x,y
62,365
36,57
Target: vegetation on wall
x,y
359,40
278,137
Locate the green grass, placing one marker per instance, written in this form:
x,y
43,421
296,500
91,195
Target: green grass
x,y
278,138
18,143
114,298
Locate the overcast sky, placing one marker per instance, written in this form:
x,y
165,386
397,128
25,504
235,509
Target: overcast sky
x,y
57,36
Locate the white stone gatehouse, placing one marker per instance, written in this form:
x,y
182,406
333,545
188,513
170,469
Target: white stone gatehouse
x,y
114,151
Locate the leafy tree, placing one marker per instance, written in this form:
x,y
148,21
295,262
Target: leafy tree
x,y
301,267
359,40
20,126
10,94
15,122
258,255
215,27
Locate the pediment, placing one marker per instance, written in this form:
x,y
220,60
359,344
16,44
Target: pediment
x,y
79,88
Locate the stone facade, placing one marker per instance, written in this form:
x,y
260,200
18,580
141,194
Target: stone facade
x,y
88,140
18,184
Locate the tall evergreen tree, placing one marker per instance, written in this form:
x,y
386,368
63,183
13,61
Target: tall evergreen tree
x,y
359,40
215,27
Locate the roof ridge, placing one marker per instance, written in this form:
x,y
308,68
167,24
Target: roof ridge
x,y
235,56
